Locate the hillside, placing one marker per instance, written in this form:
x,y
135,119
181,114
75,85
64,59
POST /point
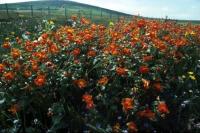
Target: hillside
x,y
62,9
56,9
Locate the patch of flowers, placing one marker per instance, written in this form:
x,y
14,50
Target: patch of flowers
x,y
127,77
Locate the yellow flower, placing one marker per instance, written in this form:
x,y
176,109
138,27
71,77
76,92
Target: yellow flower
x,y
111,24
183,76
12,33
186,34
191,73
7,38
189,33
192,77
51,22
192,33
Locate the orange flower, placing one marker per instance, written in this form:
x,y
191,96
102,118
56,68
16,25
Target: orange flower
x,y
145,83
141,23
90,105
15,53
14,109
27,73
74,18
86,97
16,66
84,21
88,100
132,128
114,51
91,53
18,40
127,104
54,49
116,128
143,69
147,113
121,71
79,41
40,80
103,81
2,67
81,83
147,58
157,86
93,27
70,37
76,51
6,45
40,55
162,108
9,75
70,31
35,67
88,37
28,48
127,51
44,36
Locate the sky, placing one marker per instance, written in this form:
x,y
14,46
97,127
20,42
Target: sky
x,y
174,9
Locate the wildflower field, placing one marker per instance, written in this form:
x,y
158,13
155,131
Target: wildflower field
x,y
130,76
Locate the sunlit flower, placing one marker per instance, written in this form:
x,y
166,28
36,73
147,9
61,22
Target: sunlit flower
x,y
162,108
183,76
76,51
103,81
27,73
145,83
40,80
35,66
91,53
88,100
15,53
16,66
127,104
9,75
191,73
2,67
141,23
81,83
127,51
54,49
121,71
147,58
192,77
132,128
111,23
144,69
6,45
51,22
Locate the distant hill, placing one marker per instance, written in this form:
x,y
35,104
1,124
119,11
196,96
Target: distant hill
x,y
62,9
57,8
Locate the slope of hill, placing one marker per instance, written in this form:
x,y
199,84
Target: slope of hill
x,y
48,8
62,9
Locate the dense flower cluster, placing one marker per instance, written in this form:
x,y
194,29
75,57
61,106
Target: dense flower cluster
x,y
124,77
